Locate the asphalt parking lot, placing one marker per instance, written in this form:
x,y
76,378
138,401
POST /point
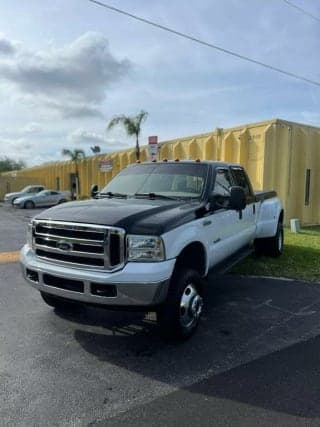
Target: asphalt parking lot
x,y
253,361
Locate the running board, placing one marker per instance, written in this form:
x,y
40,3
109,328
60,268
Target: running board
x,y
227,264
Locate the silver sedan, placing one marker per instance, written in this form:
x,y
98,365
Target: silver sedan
x,y
42,199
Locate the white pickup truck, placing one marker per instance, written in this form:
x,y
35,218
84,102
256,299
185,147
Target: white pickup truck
x,y
149,239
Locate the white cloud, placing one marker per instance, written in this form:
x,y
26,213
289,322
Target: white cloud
x,y
7,47
72,80
32,128
80,137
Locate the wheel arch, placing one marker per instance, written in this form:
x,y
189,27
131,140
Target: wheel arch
x,y
281,216
193,256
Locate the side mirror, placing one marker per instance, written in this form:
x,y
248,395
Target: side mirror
x,y
237,199
94,190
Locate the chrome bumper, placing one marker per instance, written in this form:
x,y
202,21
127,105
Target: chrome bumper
x,y
137,284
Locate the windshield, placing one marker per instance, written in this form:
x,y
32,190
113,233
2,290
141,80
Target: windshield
x,y
166,179
26,189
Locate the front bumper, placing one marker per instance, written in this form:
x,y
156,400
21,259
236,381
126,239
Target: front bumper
x,y
18,205
136,285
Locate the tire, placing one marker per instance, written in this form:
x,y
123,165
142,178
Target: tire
x,y
59,303
179,316
29,205
271,246
275,247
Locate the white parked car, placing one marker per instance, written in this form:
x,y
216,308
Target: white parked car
x,y
42,199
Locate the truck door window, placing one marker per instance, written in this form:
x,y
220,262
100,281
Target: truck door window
x,y
223,182
242,181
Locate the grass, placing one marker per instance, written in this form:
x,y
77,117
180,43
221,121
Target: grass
x,y
300,259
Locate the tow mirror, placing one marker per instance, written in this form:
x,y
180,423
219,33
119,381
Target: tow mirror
x,y
94,190
237,199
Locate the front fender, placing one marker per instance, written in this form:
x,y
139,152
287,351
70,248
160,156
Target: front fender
x,y
176,240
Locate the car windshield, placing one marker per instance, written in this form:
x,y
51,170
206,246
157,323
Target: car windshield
x,y
174,180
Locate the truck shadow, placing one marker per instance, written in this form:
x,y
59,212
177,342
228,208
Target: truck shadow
x,y
239,328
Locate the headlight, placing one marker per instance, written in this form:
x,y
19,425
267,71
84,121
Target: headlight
x,y
30,234
145,248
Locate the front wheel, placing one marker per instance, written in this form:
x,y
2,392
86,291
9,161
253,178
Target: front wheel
x,y
29,205
179,316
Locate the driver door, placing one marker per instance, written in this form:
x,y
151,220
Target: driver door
x,y
223,223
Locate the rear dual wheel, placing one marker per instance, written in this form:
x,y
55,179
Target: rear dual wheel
x,y
272,246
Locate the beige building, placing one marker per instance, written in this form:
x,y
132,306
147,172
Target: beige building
x,y
277,154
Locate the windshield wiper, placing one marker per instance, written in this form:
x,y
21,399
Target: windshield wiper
x,y
111,194
155,195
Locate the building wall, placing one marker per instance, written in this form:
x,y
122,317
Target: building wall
x,y
275,153
9,183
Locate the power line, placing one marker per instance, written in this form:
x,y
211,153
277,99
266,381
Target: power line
x,y
204,43
302,10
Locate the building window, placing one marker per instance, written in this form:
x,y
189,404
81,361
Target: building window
x,y
307,189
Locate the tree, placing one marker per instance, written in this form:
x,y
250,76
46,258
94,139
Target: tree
x,y
95,149
75,155
7,164
132,126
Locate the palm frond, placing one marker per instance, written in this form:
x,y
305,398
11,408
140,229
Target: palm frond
x,y
116,120
74,155
66,152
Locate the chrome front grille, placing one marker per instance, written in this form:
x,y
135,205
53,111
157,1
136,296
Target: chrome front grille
x,y
79,245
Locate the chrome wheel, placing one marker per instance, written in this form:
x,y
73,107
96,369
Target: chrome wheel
x,y
191,305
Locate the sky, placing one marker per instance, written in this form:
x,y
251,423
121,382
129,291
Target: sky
x,y
68,67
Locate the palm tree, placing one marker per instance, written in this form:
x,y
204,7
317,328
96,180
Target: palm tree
x,y
75,155
132,126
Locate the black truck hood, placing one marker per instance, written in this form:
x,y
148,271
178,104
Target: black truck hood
x,y
136,216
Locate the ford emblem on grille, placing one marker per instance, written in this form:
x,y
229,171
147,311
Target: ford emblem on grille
x,y
64,246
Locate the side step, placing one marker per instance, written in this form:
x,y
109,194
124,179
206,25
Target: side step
x,y
227,264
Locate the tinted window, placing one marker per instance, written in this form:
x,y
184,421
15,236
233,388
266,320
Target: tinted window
x,y
171,179
223,182
242,181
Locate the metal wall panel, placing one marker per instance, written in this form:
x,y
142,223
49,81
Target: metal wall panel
x,y
275,153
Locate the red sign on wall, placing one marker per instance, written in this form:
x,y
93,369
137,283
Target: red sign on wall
x,y
153,140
